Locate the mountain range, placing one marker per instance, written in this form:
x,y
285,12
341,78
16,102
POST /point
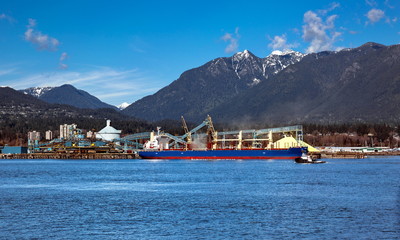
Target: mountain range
x,y
352,85
67,94
200,90
360,84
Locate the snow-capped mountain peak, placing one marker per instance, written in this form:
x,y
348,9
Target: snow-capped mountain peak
x,y
283,53
123,105
245,63
37,91
241,55
279,60
277,52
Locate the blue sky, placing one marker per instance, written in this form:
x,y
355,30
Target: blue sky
x,y
121,51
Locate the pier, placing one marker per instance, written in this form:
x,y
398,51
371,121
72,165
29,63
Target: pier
x,y
88,156
70,156
351,155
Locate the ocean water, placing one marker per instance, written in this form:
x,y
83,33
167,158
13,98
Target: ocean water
x,y
177,199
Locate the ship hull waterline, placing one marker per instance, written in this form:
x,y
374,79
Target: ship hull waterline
x,y
291,154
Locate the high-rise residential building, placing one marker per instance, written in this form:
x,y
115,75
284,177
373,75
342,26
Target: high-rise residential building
x,y
33,135
49,135
67,131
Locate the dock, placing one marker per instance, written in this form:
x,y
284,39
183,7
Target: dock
x,y
348,155
351,155
70,156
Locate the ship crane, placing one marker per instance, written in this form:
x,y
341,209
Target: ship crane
x,y
188,134
211,132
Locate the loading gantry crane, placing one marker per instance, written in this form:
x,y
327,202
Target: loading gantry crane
x,y
213,135
188,134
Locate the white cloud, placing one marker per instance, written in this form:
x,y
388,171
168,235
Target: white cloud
x,y
332,7
320,34
371,3
63,56
388,4
280,43
31,23
233,40
63,65
375,15
110,85
8,71
6,17
42,41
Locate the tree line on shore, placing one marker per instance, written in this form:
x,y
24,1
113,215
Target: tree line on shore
x,y
353,135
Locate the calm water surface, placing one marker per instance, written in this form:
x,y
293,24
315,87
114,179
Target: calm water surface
x,y
138,199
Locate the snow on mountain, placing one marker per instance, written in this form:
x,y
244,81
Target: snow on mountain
x,y
256,81
214,83
123,105
240,55
246,65
278,60
251,69
36,91
67,94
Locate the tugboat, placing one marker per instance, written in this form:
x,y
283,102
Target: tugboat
x,y
307,159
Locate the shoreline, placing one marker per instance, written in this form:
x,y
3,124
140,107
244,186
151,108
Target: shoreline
x,y
94,156
88,156
351,155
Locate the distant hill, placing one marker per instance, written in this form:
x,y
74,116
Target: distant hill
x,y
20,113
10,97
360,84
200,90
16,104
68,94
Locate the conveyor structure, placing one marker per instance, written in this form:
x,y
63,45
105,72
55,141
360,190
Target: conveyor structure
x,y
219,139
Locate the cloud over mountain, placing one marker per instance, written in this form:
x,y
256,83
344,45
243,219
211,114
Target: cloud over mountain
x,y
42,41
281,43
233,40
63,56
319,33
375,15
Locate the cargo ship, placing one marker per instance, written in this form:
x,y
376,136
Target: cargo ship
x,y
242,144
231,154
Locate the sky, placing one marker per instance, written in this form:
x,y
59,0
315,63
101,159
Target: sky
x,y
121,51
